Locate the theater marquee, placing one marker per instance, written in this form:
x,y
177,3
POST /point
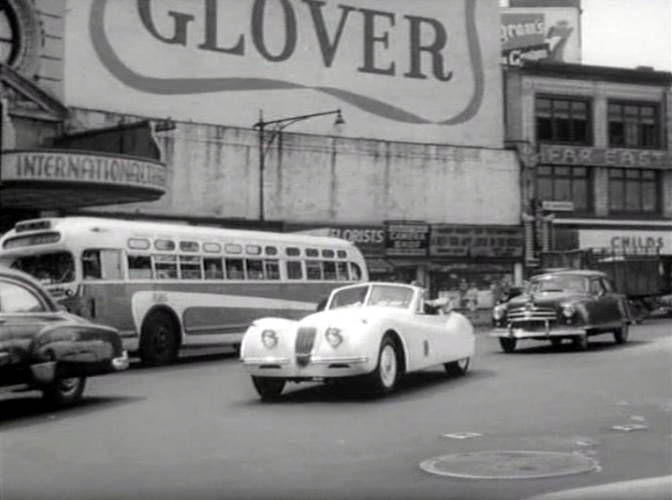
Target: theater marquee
x,y
421,70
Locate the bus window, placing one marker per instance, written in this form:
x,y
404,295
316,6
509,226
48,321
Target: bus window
x,y
212,247
313,270
312,252
189,246
329,270
190,267
342,268
164,245
355,272
48,268
138,243
293,251
234,269
213,268
165,267
271,250
139,267
272,269
294,270
341,254
255,269
101,264
253,249
328,254
91,268
233,248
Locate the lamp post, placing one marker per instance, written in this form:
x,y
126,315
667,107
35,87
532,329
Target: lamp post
x,y
275,127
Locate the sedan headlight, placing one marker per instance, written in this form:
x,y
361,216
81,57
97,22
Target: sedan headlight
x,y
269,338
568,310
333,336
499,311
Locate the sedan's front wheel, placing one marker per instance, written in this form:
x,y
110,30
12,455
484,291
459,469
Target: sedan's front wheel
x,y
269,388
508,343
64,391
384,377
621,335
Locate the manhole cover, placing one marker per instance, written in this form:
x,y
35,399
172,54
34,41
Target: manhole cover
x,y
509,464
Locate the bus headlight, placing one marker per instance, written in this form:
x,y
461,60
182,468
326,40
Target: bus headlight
x,y
269,338
499,311
568,310
333,336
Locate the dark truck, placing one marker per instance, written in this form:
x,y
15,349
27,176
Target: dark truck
x,y
645,277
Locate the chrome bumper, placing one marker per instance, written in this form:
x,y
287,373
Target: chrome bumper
x,y
121,363
520,333
316,360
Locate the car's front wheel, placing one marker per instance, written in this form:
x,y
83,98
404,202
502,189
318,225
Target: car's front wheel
x,y
64,391
508,344
384,378
580,342
268,388
621,335
458,368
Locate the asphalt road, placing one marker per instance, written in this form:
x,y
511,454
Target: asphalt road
x,y
197,429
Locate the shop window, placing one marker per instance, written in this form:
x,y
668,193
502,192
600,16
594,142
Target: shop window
x,y
139,267
634,191
634,125
272,269
555,183
213,268
234,269
294,270
563,120
165,267
190,268
313,270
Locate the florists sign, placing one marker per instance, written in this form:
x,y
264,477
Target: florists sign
x,y
430,66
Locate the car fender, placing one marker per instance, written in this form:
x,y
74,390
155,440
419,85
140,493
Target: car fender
x,y
73,341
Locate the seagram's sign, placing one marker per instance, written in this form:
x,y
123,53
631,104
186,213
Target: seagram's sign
x,y
423,69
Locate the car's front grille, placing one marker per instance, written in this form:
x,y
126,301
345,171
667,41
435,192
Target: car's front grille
x,y
305,339
532,313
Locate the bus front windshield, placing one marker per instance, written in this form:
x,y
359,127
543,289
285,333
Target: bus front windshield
x,y
48,268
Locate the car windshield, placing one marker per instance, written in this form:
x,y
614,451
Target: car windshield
x,y
558,284
48,268
380,295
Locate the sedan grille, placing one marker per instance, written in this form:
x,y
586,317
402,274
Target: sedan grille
x,y
533,313
305,339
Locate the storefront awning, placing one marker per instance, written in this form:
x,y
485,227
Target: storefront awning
x,y
56,179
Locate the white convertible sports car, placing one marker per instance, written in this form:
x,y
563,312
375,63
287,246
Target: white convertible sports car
x,y
375,330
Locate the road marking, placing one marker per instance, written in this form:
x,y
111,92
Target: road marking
x,y
462,435
629,427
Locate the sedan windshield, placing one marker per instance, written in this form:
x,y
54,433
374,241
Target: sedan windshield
x,y
48,268
558,284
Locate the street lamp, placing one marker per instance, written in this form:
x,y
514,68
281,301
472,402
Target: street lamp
x,y
277,126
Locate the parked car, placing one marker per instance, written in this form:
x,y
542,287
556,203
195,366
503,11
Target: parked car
x,y
563,304
374,331
45,348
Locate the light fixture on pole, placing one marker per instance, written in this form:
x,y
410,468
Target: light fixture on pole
x,y
275,127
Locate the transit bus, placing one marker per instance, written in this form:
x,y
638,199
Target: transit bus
x,y
166,287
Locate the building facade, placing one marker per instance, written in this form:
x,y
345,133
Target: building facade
x,y
594,145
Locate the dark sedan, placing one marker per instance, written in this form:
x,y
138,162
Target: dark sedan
x,y
563,304
44,348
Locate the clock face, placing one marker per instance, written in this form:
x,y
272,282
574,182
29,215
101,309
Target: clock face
x,y
9,33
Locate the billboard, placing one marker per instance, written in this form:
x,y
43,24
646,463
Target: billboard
x,y
422,71
541,33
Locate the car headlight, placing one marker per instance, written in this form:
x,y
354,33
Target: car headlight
x,y
568,310
333,336
499,311
269,338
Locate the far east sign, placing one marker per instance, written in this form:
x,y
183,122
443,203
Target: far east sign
x,y
424,70
466,241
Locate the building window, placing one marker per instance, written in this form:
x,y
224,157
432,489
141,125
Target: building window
x,y
633,191
555,183
563,120
633,125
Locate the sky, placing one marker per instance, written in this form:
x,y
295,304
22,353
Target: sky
x,y
627,33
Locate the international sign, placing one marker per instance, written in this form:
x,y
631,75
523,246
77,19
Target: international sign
x,y
381,62
64,166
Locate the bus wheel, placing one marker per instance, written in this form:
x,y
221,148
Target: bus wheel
x,y
159,341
